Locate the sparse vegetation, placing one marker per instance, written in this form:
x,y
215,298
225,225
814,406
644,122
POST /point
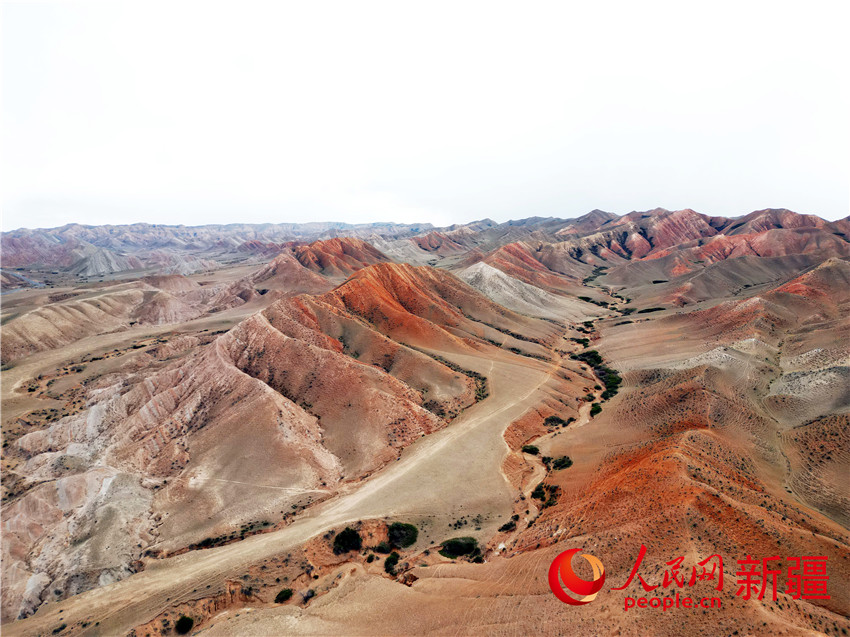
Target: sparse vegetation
x,y
402,535
391,562
546,493
510,525
458,546
183,625
481,390
555,421
347,540
609,377
562,463
594,274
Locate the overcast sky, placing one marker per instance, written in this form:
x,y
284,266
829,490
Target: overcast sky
x,y
209,112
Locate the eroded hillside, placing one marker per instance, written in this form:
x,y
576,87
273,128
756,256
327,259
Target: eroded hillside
x,y
663,378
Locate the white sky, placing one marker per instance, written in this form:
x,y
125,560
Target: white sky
x,y
209,112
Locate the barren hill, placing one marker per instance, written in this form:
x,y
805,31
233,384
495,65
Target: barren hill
x,y
194,445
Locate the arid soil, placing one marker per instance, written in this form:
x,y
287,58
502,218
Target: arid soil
x,y
192,444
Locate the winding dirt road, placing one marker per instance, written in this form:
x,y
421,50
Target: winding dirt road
x,y
454,471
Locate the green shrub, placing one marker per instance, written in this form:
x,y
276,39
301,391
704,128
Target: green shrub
x,y
562,463
383,547
347,540
402,535
458,546
391,562
595,408
530,449
591,357
283,596
184,625
510,525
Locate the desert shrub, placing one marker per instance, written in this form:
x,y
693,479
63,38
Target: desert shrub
x,y
510,525
283,596
546,493
562,463
554,421
591,357
391,562
458,546
531,449
650,309
347,540
184,625
402,535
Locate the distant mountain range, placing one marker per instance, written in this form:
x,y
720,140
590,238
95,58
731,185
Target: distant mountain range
x,y
45,256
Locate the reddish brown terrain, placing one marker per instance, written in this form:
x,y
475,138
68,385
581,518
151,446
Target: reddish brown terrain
x,y
191,435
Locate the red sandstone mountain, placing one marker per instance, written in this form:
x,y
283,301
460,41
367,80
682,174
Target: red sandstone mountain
x,y
429,307
239,399
311,390
337,257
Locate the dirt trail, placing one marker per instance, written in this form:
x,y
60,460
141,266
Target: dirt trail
x,y
456,470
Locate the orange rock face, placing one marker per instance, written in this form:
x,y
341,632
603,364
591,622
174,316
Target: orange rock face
x,y
337,257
